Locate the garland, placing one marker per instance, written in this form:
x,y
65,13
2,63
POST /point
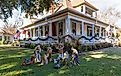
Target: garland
x,y
82,37
49,37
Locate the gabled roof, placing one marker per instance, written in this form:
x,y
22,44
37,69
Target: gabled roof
x,y
66,10
76,3
73,4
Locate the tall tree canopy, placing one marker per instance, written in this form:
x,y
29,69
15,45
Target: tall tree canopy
x,y
30,7
110,15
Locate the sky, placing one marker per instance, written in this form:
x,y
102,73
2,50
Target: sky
x,y
100,4
104,4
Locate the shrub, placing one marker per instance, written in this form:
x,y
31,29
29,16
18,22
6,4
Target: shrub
x,y
94,47
119,44
44,47
27,45
32,46
83,47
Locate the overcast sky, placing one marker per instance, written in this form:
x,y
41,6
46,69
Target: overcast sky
x,y
104,4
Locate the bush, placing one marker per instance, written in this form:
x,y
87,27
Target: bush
x,y
32,46
44,47
27,45
119,44
83,48
94,47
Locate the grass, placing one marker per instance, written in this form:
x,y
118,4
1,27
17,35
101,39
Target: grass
x,y
106,63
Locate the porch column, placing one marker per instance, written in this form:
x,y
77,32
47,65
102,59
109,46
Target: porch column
x,y
114,31
50,29
68,26
3,37
83,32
38,32
100,32
30,33
33,32
93,33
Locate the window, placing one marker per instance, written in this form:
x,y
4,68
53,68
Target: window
x,y
46,30
81,8
8,37
89,30
102,31
41,30
32,32
58,1
89,11
74,28
97,30
36,32
5,37
60,32
0,38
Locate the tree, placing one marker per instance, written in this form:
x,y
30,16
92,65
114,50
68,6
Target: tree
x,y
109,15
118,34
11,28
30,7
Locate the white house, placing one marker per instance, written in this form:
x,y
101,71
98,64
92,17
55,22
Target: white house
x,y
6,37
76,18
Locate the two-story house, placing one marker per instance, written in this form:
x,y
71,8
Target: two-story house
x,y
77,18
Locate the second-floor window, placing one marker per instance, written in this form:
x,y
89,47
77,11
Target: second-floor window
x,y
81,8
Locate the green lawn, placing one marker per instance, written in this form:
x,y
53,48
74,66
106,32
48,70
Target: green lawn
x,y
106,63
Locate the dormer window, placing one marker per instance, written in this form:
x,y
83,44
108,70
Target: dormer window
x,y
58,1
81,8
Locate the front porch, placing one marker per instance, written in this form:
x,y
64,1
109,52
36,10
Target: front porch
x,y
67,25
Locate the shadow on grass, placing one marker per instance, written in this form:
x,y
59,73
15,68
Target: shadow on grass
x,y
93,64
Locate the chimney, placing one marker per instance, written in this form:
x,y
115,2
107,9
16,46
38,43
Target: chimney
x,y
68,3
52,6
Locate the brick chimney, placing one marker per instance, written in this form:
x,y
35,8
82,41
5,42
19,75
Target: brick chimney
x,y
52,7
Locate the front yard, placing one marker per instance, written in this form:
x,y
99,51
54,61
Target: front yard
x,y
100,63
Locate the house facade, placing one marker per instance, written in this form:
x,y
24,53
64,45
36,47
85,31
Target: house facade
x,y
6,37
75,18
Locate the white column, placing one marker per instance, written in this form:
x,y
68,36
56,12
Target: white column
x,y
50,29
30,33
68,26
114,31
93,33
100,32
38,32
3,37
83,32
